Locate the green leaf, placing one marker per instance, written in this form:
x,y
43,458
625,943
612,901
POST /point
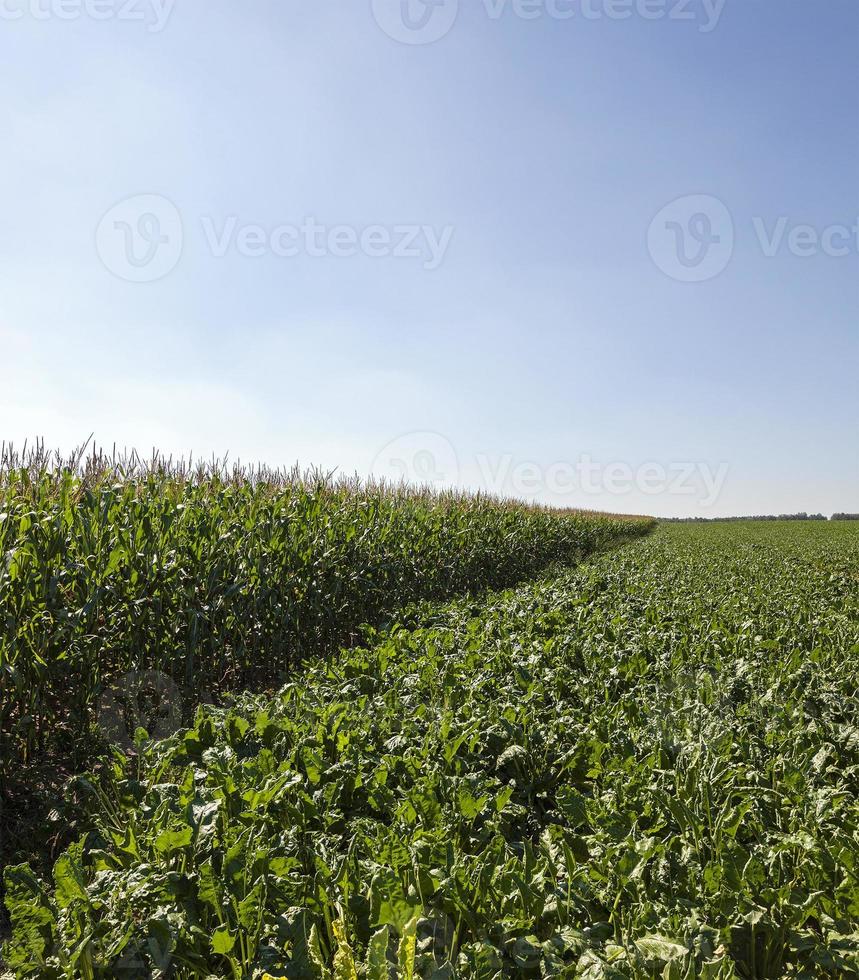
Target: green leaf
x,y
377,955
223,941
344,960
470,806
33,920
69,878
406,949
170,841
572,805
389,905
314,950
660,948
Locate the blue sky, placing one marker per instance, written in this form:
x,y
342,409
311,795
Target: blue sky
x,y
495,290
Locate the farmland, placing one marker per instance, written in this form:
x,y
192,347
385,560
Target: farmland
x,y
132,590
646,765
222,579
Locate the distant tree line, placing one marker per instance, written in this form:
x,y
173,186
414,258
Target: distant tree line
x,y
845,517
759,517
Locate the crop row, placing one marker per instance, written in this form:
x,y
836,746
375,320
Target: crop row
x,y
221,582
646,767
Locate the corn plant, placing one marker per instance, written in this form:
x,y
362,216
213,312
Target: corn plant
x,y
224,579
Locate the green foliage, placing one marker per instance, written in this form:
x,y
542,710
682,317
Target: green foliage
x,y
221,581
644,768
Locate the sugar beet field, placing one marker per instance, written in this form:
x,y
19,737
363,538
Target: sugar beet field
x,y
412,735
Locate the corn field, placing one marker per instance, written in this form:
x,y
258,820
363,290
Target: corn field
x,y
224,577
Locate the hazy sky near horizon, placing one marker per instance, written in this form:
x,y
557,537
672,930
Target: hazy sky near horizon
x,y
597,253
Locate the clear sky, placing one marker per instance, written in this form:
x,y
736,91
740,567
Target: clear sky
x,y
600,253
